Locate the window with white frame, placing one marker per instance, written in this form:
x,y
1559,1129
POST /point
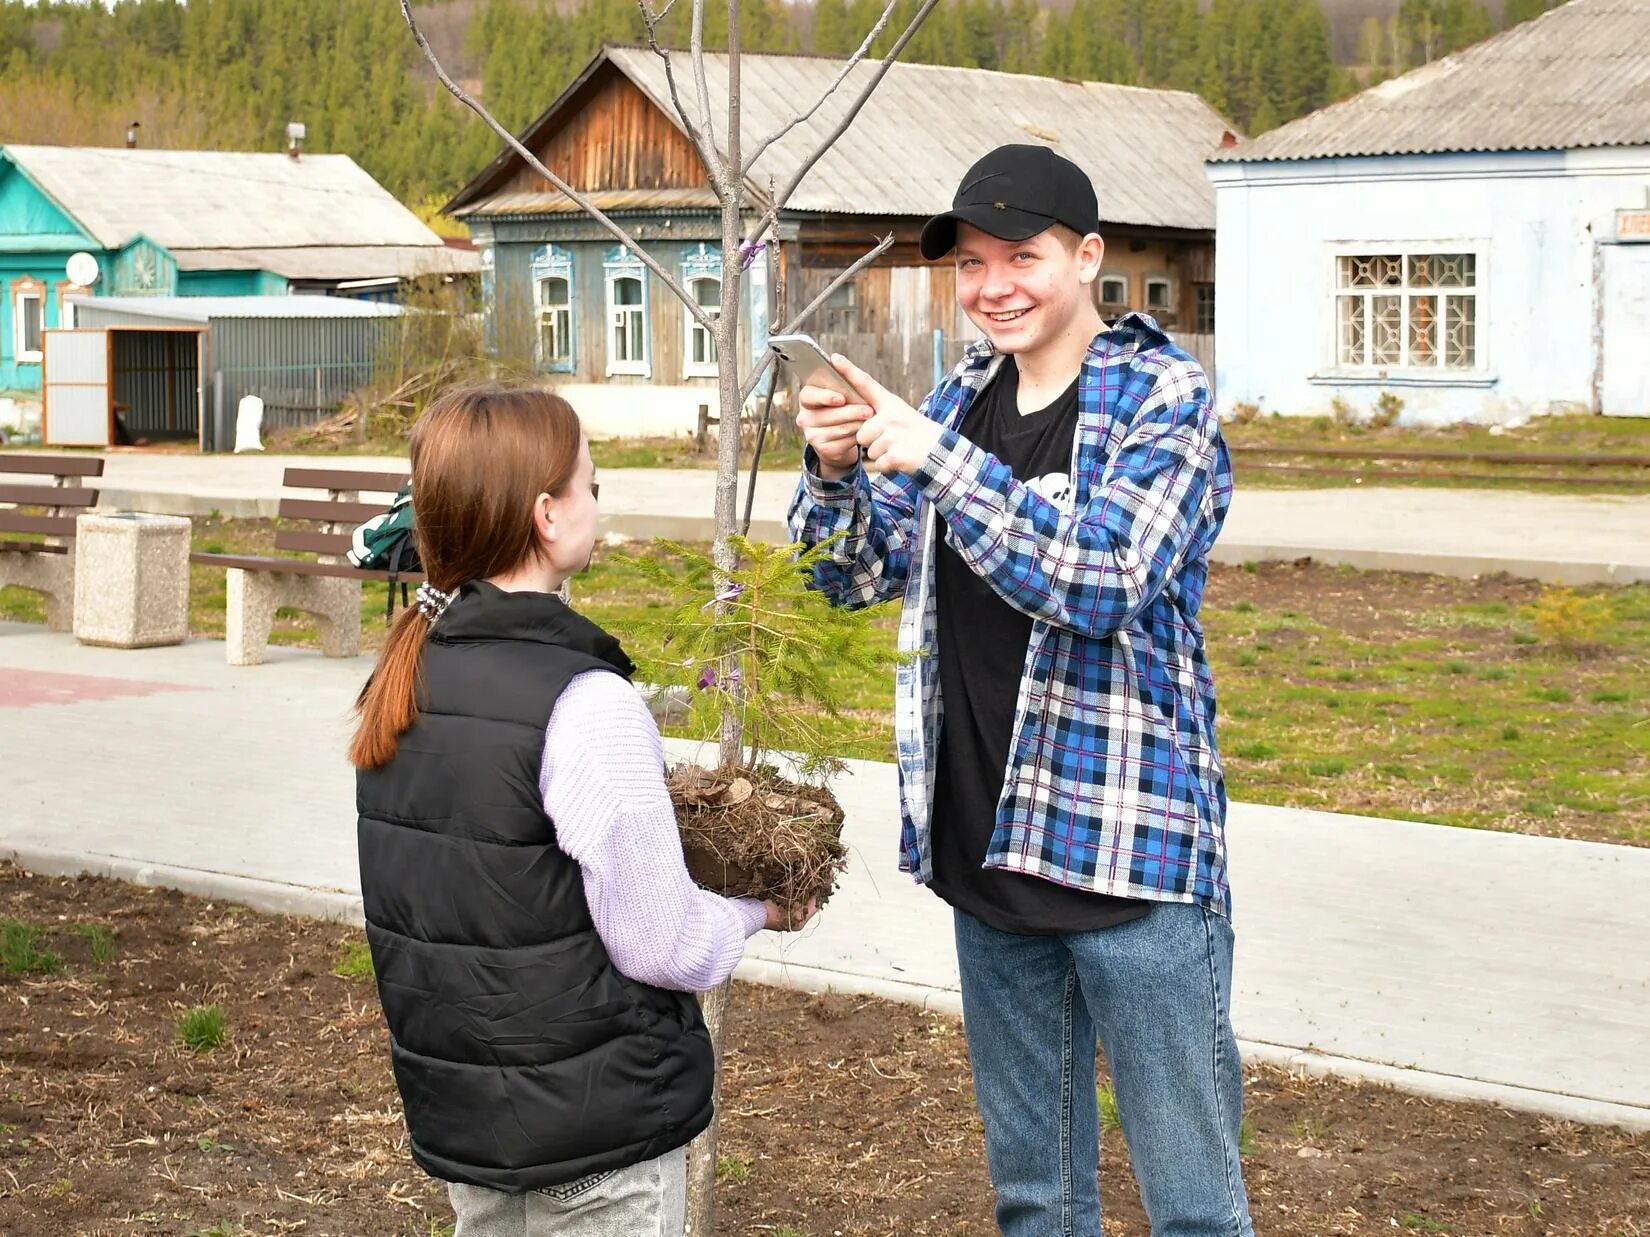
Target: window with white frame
x,y
627,340
28,319
701,342
1114,291
553,308
702,276
1159,295
1406,311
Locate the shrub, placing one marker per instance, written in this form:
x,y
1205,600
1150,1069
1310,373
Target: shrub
x,y
1244,414
1344,414
1388,408
1569,619
760,640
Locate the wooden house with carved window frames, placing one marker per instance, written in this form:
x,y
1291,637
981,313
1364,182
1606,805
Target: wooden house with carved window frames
x,y
1467,242
562,296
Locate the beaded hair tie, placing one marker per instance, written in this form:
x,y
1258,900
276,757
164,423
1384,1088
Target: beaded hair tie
x,y
432,602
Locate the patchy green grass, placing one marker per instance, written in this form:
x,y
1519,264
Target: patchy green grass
x,y
733,1168
1435,700
354,961
21,952
100,941
1417,1223
1417,697
679,453
1578,436
1106,1096
1490,703
201,1028
21,605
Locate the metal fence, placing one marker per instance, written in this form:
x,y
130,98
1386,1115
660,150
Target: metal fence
x,y
301,368
301,355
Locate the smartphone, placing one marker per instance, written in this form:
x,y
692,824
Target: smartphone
x,y
812,367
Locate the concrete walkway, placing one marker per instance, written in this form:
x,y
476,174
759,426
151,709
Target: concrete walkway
x,y
1450,962
1558,537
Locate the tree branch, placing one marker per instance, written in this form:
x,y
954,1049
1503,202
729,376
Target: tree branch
x,y
810,309
707,150
866,91
696,48
865,260
582,202
800,117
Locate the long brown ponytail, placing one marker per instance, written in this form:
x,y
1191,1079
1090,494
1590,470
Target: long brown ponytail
x,y
481,456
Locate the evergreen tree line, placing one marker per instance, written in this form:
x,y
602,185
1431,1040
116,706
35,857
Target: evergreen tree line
x,y
229,74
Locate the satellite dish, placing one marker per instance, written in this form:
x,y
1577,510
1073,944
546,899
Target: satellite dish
x,y
82,269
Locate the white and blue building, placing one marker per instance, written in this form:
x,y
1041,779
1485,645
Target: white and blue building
x,y
1472,238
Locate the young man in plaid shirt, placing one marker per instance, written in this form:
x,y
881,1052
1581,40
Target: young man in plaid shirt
x,y
1046,516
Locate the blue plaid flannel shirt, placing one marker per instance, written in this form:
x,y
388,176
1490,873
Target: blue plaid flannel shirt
x,y
1114,783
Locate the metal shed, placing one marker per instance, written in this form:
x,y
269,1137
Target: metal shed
x,y
300,354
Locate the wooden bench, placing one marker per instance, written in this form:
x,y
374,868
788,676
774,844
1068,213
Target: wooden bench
x,y
325,586
46,566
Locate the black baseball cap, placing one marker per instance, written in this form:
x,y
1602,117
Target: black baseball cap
x,y
1014,193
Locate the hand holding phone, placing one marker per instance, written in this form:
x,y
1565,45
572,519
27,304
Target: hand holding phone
x,y
830,410
812,367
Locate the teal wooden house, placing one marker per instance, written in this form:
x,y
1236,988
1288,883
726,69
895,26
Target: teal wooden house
x,y
92,221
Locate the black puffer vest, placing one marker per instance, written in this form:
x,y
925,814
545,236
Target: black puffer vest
x,y
524,1059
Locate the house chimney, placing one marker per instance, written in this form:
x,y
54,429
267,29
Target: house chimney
x,y
294,139
1228,139
131,135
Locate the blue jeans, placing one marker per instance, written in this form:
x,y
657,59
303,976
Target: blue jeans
x,y
1157,990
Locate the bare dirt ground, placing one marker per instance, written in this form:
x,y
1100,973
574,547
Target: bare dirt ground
x,y
842,1115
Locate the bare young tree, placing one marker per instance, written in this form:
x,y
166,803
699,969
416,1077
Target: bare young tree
x,y
729,171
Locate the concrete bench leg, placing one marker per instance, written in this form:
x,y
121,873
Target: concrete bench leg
x,y
254,596
51,575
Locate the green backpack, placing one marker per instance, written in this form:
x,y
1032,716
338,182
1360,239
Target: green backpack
x,y
388,543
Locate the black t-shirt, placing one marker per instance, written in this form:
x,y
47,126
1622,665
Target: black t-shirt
x,y
982,650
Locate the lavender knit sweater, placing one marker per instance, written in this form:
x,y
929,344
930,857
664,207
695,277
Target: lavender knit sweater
x,y
603,784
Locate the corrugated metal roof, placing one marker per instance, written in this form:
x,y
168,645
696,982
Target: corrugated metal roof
x,y
527,203
205,308
336,261
925,124
1577,76
200,199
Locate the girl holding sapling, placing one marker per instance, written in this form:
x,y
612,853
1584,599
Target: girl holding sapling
x,y
534,932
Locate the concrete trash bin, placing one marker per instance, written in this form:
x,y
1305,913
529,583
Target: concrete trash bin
x,y
131,580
